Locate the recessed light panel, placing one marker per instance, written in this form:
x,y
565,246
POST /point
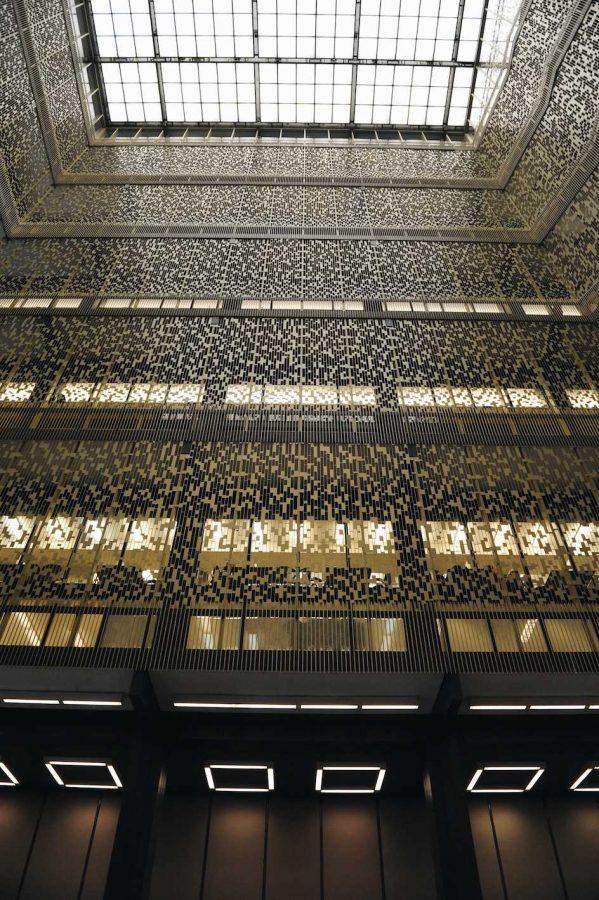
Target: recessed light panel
x,y
7,779
504,779
348,779
588,780
84,773
240,778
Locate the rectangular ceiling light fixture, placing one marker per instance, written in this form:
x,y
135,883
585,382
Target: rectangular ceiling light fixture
x,y
348,779
498,707
329,707
558,707
31,701
93,703
588,780
433,64
201,704
390,707
504,779
240,778
97,774
7,779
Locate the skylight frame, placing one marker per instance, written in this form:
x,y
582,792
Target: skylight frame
x,y
162,123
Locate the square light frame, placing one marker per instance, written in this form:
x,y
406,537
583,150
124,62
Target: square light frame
x,y
577,784
347,767
12,778
536,770
270,777
107,764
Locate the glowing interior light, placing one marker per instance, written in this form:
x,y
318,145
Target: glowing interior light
x,y
36,701
265,706
270,778
578,785
192,704
498,707
116,783
92,702
12,781
559,707
390,706
536,773
329,706
348,768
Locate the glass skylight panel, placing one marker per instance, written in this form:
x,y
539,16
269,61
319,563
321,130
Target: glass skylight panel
x,y
304,92
132,91
408,29
205,28
382,63
209,92
305,29
401,95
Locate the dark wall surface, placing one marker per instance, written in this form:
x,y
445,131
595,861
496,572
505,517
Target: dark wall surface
x,y
55,846
346,848
529,849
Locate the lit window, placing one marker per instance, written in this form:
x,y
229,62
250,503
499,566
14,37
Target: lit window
x,y
446,545
319,395
358,395
469,636
282,395
243,394
530,635
224,542
570,636
77,392
61,629
381,635
274,543
323,633
268,633
113,393
15,532
416,396
372,546
16,391
149,543
55,541
526,398
214,633
488,397
24,629
583,398
185,393
582,540
494,544
294,395
535,309
322,544
124,631
542,549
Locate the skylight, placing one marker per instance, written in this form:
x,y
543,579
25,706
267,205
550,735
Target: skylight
x,y
381,63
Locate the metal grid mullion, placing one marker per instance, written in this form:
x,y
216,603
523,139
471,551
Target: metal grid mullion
x,y
354,70
256,64
158,65
476,63
454,59
96,59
